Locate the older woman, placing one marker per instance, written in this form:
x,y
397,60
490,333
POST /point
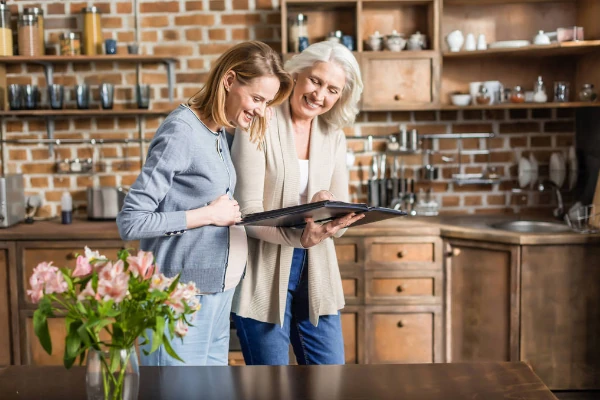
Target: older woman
x,y
292,291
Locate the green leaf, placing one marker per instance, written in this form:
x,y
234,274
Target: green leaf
x,y
40,327
115,359
72,342
158,334
174,284
169,349
85,336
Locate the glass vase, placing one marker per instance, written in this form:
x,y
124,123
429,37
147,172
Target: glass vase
x,y
113,374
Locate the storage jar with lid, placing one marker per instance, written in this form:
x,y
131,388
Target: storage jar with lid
x,y
39,14
29,36
6,38
517,95
588,93
539,91
70,44
92,31
298,33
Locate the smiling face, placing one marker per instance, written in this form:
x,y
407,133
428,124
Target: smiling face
x,y
317,90
245,102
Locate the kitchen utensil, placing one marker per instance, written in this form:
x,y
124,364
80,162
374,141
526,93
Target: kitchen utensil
x,y
142,94
12,200
104,202
15,96
383,200
588,93
375,41
534,169
509,44
413,144
428,172
541,39
373,194
82,96
572,167
133,48
56,95
395,42
107,91
557,169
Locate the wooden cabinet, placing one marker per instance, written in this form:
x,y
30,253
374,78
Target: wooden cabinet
x,y
352,323
560,314
8,332
482,301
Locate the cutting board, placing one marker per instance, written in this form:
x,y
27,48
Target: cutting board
x,y
595,220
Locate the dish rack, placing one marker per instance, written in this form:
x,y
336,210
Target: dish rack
x,y
584,219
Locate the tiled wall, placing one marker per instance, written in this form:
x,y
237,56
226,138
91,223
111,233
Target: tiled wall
x,y
196,32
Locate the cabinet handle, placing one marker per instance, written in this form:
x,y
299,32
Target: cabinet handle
x,y
400,289
397,97
400,324
71,256
454,252
400,254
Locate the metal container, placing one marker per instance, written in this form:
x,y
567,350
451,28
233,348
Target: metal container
x,y
104,202
12,200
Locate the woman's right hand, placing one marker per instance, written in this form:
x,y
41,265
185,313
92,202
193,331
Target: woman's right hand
x,y
224,211
315,233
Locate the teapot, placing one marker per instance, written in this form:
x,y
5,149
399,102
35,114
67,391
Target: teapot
x,y
417,41
375,41
395,41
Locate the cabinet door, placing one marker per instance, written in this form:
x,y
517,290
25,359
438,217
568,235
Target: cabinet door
x,y
560,314
394,83
5,310
352,322
410,334
480,278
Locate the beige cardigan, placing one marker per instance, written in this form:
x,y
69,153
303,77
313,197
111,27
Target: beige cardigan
x,y
269,179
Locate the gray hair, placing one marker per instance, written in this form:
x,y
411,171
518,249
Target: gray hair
x,y
344,111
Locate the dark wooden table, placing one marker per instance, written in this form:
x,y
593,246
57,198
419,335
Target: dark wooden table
x,y
475,381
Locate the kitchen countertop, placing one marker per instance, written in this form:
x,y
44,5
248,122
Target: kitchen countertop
x,y
469,227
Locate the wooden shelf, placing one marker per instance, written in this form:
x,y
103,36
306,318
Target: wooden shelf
x,y
135,58
506,106
404,54
82,113
492,2
550,50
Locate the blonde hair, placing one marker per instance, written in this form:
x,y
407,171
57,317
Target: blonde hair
x,y
249,60
344,111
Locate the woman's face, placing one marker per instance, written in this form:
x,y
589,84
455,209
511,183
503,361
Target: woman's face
x,y
245,102
317,89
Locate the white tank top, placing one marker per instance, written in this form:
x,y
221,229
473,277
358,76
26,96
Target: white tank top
x,y
303,181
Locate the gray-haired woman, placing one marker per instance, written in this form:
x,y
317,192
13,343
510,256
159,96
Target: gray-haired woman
x,y
292,291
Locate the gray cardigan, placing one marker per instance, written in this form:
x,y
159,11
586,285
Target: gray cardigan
x,y
183,171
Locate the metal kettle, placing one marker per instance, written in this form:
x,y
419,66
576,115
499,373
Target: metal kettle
x,y
104,202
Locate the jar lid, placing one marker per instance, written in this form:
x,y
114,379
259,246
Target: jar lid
x,y
69,35
33,11
92,10
28,18
4,7
301,17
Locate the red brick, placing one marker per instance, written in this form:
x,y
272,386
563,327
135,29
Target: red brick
x,y
213,48
565,140
520,113
240,34
425,115
102,123
472,114
541,113
149,36
472,128
520,127
565,113
125,37
108,180
541,141
494,115
196,64
195,20
196,78
196,34
112,22
155,21
448,115
38,168
56,8
377,116
180,50
450,201
160,7
496,200
240,19
170,34
14,126
17,154
61,182
518,142
473,201
559,126
216,5
239,4
124,8
39,182
426,129
193,5
217,34
378,130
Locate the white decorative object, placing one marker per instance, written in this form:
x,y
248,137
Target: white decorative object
x,y
395,42
524,172
481,42
455,40
470,44
541,38
375,41
509,44
495,89
474,89
460,100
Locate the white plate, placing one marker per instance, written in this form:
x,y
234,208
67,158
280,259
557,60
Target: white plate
x,y
558,170
534,169
507,44
524,172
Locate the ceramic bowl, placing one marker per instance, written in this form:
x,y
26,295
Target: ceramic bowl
x,y
460,99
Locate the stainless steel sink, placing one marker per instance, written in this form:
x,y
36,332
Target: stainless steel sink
x,y
531,227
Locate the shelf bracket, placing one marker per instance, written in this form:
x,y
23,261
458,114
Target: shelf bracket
x,y
170,64
49,72
50,132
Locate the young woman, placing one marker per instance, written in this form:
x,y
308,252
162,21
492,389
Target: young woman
x,y
182,205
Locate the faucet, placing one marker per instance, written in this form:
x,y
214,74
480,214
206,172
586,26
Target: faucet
x,y
559,211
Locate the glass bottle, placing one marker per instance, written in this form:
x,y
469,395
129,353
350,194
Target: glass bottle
x,y
70,44
29,36
39,14
483,97
298,40
6,37
588,93
517,95
92,31
539,91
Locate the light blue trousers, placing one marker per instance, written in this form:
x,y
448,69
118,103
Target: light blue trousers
x,y
206,343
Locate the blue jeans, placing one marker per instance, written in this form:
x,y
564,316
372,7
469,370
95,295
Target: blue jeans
x,y
267,344
206,343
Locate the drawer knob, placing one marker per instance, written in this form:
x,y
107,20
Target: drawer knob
x,y
454,252
400,254
400,324
397,97
400,289
71,256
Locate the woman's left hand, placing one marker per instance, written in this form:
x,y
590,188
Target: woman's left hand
x,y
315,233
322,195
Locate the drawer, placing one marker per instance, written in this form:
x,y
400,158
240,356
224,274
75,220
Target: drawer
x,y
350,286
346,252
401,252
400,287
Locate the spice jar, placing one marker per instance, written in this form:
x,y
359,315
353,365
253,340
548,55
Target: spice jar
x,y
539,91
70,44
92,31
6,38
483,97
517,95
298,33
588,93
29,36
39,14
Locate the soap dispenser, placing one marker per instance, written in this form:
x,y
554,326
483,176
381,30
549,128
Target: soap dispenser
x,y
66,206
539,91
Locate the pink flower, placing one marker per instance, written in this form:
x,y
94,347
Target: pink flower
x,y
160,282
181,329
110,270
87,292
182,295
113,283
47,279
142,264
83,267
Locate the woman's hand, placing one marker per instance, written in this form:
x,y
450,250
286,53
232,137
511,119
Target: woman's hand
x,y
315,233
225,212
322,195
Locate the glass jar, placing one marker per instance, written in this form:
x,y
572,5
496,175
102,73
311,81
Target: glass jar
x,y
298,40
92,31
539,91
517,95
588,93
483,97
70,44
6,37
561,92
39,14
29,36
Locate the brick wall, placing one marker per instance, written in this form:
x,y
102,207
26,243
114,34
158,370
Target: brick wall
x,y
196,32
